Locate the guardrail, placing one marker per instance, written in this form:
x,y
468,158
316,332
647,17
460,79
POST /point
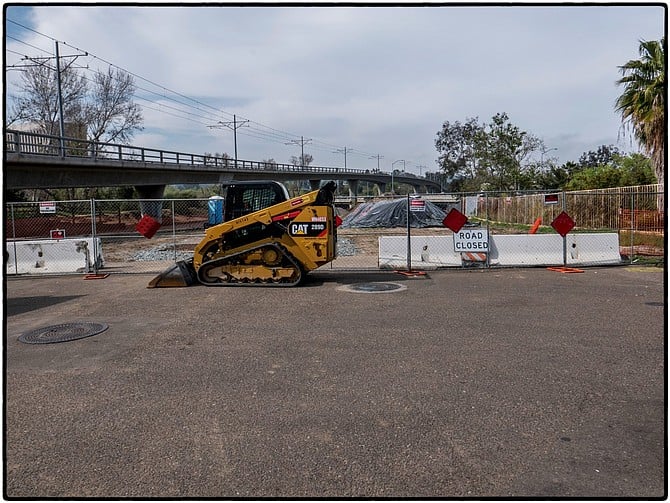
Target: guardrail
x,y
22,142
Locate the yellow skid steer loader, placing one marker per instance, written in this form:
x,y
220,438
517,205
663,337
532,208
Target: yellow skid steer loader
x,y
274,245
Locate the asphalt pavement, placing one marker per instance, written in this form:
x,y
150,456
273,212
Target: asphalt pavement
x,y
494,383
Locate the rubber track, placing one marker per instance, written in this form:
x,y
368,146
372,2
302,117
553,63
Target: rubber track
x,y
234,282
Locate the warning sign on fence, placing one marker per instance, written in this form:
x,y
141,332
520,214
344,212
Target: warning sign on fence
x,y
417,205
48,207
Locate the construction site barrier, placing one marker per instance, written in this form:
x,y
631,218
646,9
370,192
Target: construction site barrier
x,y
630,212
547,249
54,256
430,252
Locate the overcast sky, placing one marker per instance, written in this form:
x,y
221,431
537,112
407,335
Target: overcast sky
x,y
376,80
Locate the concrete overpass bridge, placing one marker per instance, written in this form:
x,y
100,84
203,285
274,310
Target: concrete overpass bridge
x,y
34,160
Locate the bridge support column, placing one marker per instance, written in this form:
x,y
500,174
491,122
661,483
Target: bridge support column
x,y
353,190
381,187
314,184
152,208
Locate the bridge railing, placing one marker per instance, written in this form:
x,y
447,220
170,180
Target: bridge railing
x,y
32,143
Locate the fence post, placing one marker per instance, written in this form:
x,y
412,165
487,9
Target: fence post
x,y
409,240
174,233
632,226
565,238
16,267
95,241
488,232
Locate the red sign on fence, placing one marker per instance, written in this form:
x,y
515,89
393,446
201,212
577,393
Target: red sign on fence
x,y
563,223
454,220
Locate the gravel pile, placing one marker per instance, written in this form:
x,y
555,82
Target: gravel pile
x,y
159,253
345,247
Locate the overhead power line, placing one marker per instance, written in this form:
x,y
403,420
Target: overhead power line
x,y
302,143
234,125
161,99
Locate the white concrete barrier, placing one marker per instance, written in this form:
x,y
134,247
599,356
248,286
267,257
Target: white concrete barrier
x,y
597,248
526,250
53,256
504,250
428,252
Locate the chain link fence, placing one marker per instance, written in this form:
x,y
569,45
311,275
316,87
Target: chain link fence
x,y
99,236
634,213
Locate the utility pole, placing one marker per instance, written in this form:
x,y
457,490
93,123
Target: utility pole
x,y
343,151
61,122
302,143
234,125
41,61
378,157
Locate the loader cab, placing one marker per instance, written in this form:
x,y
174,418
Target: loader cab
x,y
242,198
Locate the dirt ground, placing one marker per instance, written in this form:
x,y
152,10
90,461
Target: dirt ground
x,y
364,241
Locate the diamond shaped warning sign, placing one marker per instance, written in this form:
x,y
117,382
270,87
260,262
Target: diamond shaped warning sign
x,y
147,226
454,220
563,223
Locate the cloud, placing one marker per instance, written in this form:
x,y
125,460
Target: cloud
x,y
380,80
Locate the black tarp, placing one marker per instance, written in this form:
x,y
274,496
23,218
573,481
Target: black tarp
x,y
393,214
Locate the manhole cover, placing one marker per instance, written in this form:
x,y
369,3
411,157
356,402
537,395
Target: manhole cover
x,y
375,287
62,333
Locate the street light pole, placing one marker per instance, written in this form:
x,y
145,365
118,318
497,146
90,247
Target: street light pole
x,y
544,151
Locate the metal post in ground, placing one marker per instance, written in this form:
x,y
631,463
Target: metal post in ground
x,y
95,241
565,240
174,233
16,266
488,232
632,226
409,240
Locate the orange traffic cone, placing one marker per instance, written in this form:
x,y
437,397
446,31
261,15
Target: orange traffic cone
x,y
535,226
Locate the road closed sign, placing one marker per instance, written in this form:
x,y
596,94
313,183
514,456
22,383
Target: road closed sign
x,y
471,240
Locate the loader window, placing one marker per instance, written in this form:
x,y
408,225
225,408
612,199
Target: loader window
x,y
246,200
258,198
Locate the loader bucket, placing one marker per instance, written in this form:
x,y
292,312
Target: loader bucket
x,y
182,273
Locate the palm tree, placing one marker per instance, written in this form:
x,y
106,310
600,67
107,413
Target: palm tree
x,y
642,104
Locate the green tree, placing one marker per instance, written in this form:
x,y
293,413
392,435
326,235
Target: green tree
x,y
623,171
493,156
604,155
503,150
455,143
557,177
642,103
